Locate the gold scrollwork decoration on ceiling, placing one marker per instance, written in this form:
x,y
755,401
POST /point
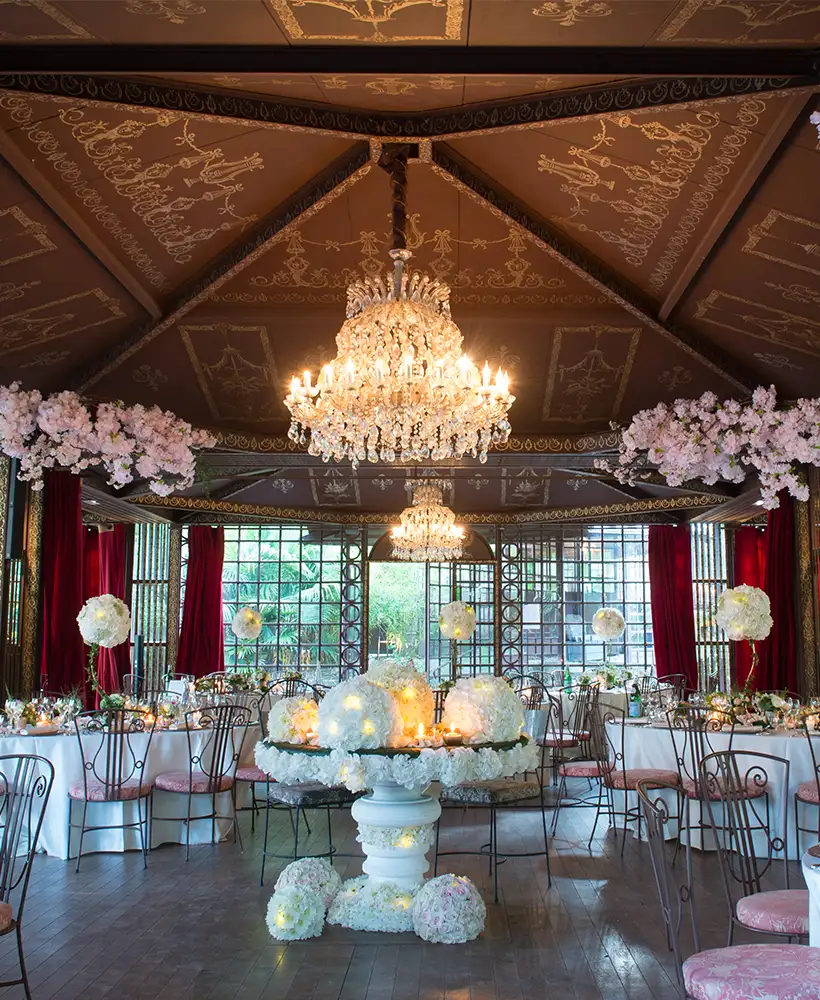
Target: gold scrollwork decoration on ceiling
x,y
567,13
365,20
786,239
175,11
58,318
775,326
756,18
54,15
21,237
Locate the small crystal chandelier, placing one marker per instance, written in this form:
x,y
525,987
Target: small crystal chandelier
x,y
428,531
400,388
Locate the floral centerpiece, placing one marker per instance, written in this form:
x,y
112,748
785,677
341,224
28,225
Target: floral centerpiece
x,y
292,720
60,431
386,906
744,614
457,621
247,624
708,440
413,694
448,910
484,709
295,914
103,621
356,714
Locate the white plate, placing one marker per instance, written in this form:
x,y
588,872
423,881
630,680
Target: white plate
x,y
637,722
747,730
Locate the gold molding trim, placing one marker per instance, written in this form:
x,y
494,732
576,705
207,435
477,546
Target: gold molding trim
x,y
312,515
32,583
174,587
807,529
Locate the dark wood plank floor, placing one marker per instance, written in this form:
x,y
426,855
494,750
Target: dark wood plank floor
x,y
197,930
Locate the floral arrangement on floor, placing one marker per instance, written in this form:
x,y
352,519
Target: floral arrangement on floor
x,y
361,902
357,771
103,621
60,431
247,624
356,714
457,621
484,709
708,440
448,910
295,914
412,693
291,719
745,614
315,875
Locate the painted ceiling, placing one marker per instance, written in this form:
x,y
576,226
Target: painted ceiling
x,y
186,239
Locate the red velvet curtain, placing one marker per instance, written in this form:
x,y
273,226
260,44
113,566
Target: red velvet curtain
x,y
749,564
201,648
62,651
670,588
104,573
778,653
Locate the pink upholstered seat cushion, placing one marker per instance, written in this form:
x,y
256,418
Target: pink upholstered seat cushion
x,y
781,911
807,792
559,740
770,971
98,792
6,917
657,777
180,781
251,773
584,769
690,790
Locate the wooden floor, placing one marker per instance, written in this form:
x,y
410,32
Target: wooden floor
x,y
197,930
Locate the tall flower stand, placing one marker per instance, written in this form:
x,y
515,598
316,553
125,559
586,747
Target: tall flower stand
x,y
396,818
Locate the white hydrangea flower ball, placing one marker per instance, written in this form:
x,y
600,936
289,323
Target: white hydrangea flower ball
x,y
608,623
290,719
247,624
413,694
448,910
358,715
457,621
316,875
744,612
484,707
104,621
295,914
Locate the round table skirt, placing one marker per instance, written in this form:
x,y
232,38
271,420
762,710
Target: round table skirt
x,y
169,752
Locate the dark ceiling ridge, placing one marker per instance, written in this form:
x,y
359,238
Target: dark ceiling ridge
x,y
504,114
467,178
393,59
329,184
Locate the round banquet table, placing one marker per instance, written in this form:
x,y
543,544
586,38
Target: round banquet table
x,y
650,745
168,752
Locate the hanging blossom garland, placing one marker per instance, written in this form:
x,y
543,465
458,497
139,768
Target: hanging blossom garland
x,y
745,613
295,914
357,715
247,624
608,623
412,693
364,905
448,910
484,709
314,875
457,621
291,719
707,440
59,431
450,766
103,621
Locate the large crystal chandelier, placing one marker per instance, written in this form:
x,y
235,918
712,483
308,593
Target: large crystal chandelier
x,y
400,388
427,531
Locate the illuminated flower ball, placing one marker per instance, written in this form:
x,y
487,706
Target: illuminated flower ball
x,y
608,623
457,621
413,694
484,709
448,910
364,905
291,719
247,624
295,914
358,715
315,875
104,621
744,612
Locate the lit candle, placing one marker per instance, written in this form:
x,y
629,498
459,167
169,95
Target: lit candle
x,y
306,378
327,376
453,738
379,372
310,735
485,376
350,374
43,719
420,732
407,365
295,386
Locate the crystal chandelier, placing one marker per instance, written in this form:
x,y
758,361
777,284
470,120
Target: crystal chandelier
x,y
400,388
428,531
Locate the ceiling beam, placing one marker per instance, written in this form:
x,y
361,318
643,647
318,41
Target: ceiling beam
x,y
465,178
46,192
380,60
620,97
772,144
324,188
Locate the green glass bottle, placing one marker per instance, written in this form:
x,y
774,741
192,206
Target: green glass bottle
x,y
567,678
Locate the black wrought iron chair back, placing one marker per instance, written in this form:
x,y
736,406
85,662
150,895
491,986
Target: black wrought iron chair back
x,y
582,704
114,745
290,687
219,754
677,682
807,794
648,684
439,697
693,729
734,783
25,787
530,689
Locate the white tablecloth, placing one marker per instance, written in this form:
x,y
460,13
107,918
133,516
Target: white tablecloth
x,y
811,873
648,746
169,752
